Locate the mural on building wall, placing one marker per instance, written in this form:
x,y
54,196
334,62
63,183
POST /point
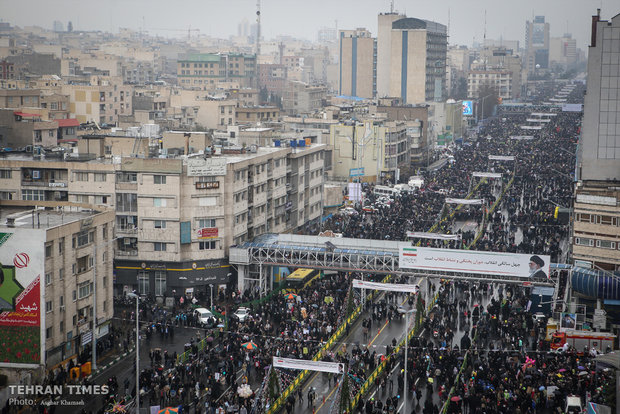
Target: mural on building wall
x,y
21,267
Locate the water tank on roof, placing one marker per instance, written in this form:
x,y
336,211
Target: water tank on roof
x,y
301,143
277,143
293,143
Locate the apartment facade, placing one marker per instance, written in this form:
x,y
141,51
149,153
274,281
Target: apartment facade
x,y
418,61
103,100
174,221
77,254
302,98
499,80
358,63
205,70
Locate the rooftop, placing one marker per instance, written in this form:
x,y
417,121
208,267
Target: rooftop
x,y
41,218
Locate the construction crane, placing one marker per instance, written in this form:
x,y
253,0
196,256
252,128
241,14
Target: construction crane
x,y
189,31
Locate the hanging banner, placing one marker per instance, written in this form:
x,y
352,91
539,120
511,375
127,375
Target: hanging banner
x,y
522,137
390,287
531,127
434,236
464,201
487,175
502,157
538,120
22,321
333,367
572,107
470,261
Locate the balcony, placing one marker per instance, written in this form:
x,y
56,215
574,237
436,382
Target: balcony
x,y
126,253
128,230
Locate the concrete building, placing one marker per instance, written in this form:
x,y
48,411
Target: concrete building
x,y
536,44
300,98
175,218
257,114
205,70
418,61
20,98
77,253
499,80
358,63
563,51
20,129
101,101
7,70
596,221
381,149
384,52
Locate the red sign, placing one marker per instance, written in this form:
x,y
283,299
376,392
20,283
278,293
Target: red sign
x,y
208,233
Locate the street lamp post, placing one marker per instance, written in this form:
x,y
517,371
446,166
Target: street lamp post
x,y
407,313
482,106
132,295
211,303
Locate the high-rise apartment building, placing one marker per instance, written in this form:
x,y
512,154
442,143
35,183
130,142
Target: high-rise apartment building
x,y
358,63
596,228
418,60
536,44
384,52
204,70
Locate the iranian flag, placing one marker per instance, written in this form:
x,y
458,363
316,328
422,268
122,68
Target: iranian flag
x,y
408,251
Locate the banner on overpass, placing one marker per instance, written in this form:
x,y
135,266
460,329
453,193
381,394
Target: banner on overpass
x,y
502,157
487,174
522,137
390,287
334,367
470,261
572,107
434,236
464,201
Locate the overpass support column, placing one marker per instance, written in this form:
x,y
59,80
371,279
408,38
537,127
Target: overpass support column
x,y
243,271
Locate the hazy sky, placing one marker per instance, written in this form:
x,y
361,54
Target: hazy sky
x,y
303,18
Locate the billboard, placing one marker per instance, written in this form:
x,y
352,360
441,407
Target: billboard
x,y
333,367
206,167
568,321
470,261
207,233
22,261
468,108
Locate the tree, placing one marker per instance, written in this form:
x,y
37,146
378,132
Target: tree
x,y
345,399
350,304
69,27
274,385
487,99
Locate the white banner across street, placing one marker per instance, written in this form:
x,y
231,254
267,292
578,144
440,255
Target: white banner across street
x,y
487,174
434,236
521,137
390,287
334,367
531,127
464,201
502,157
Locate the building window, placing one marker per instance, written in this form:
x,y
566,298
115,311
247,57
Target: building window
x,y
100,177
206,223
49,332
74,296
62,327
159,247
81,176
159,179
160,224
5,174
84,289
48,250
207,245
81,198
159,202
143,283
61,245
62,301
582,241
48,306
34,195
160,283
61,273
124,177
605,244
48,278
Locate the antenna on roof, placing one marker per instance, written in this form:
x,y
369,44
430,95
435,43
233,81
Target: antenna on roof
x,y
485,25
392,6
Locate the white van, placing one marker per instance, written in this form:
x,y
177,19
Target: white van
x,y
403,188
415,181
573,404
382,190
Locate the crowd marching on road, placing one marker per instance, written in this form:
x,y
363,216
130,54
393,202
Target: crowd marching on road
x,y
479,351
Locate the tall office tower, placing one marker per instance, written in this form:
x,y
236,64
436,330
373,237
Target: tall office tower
x,y
418,60
358,63
384,50
596,225
537,44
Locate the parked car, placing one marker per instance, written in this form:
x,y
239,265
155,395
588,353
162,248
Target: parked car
x,y
205,317
242,314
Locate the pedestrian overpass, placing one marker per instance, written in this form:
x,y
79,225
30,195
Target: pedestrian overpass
x,y
254,259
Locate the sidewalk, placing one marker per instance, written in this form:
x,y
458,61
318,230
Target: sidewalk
x,y
107,360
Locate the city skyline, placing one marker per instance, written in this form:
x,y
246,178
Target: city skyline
x,y
220,20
